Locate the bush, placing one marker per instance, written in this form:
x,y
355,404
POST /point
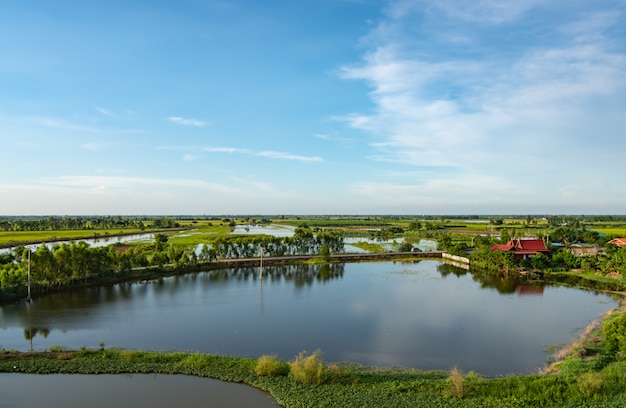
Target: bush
x,y
308,369
615,336
457,383
270,366
590,383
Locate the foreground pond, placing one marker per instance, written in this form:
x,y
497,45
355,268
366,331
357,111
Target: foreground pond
x,y
155,391
425,315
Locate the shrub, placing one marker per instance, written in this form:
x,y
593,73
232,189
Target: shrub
x,y
615,336
457,383
270,366
308,369
195,361
590,383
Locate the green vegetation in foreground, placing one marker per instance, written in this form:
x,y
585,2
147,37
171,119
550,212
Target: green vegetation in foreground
x,y
580,380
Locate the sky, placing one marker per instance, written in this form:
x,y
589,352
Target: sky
x,y
214,107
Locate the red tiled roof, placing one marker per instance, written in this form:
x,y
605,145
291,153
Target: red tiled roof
x,y
522,246
531,245
501,247
618,241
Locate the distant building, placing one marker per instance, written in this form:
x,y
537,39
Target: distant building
x,y
584,250
620,242
523,248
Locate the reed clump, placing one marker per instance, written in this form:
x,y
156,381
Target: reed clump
x,y
456,380
271,366
308,369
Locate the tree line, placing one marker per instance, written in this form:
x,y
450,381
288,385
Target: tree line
x,y
83,223
76,263
611,260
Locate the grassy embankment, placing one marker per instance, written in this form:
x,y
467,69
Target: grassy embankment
x,y
305,382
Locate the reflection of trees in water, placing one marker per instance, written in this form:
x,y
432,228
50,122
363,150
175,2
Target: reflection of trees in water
x,y
300,275
31,332
504,284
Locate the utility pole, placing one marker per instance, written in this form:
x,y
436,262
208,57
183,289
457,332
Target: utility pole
x,y
261,267
28,282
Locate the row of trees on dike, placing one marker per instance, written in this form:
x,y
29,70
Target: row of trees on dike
x,y
76,263
303,242
85,223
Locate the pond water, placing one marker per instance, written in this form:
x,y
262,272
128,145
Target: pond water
x,y
275,230
388,245
423,314
95,242
155,391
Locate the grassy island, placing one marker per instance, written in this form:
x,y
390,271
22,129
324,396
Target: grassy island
x,y
589,373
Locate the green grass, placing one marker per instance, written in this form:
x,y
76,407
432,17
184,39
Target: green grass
x,y
349,385
201,233
621,232
17,237
369,247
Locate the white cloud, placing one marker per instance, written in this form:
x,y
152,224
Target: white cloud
x,y
94,147
271,154
104,112
60,124
187,121
528,118
141,195
288,156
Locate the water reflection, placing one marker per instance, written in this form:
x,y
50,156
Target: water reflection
x,y
504,284
100,241
275,230
423,314
155,391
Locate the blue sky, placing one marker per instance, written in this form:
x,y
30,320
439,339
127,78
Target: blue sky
x,y
313,107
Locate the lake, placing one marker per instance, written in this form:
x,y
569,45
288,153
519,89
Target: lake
x,y
422,314
155,391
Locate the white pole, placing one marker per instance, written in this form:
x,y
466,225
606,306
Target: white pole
x,y
261,268
28,284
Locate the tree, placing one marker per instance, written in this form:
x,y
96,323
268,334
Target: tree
x,y
405,247
415,226
325,252
540,261
160,241
445,242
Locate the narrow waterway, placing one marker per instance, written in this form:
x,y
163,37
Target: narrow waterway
x,y
136,390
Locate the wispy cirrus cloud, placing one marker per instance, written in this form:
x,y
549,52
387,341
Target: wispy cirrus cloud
x,y
104,112
271,154
94,147
288,156
65,125
187,121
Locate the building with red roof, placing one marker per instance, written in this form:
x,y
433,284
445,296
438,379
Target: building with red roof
x,y
523,248
620,242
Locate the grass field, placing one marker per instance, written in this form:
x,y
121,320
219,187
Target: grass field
x,y
202,230
17,237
